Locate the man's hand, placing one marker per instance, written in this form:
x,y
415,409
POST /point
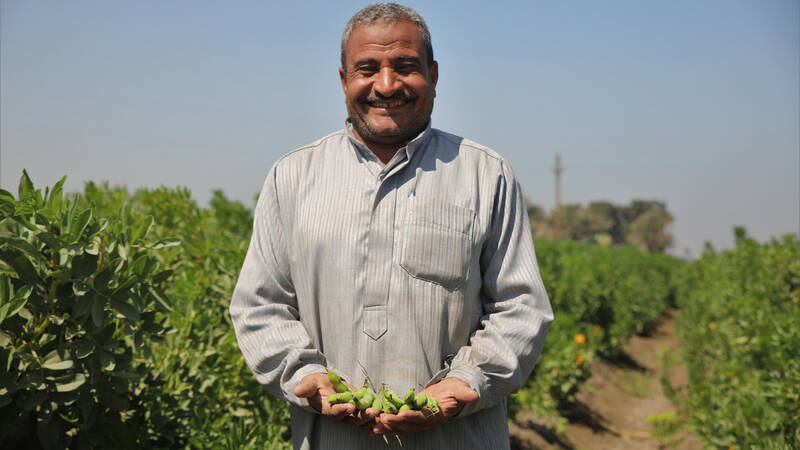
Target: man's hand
x,y
316,388
450,393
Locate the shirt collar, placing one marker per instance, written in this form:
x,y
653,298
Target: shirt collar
x,y
410,148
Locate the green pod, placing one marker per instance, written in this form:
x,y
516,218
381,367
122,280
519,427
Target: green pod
x,y
408,398
394,399
378,403
341,397
364,401
433,405
389,408
420,401
337,382
405,407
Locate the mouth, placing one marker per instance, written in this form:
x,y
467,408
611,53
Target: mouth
x,y
387,104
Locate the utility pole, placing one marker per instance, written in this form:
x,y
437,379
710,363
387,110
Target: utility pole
x,y
557,208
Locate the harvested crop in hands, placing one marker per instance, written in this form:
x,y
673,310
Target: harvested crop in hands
x,y
384,401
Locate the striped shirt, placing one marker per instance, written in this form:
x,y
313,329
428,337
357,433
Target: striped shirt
x,y
410,272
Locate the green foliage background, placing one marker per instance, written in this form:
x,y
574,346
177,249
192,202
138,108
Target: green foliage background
x,y
740,328
115,332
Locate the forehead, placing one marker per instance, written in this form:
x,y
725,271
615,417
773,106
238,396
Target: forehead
x,y
384,38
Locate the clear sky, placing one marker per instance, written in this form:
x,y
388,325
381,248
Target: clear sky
x,y
693,103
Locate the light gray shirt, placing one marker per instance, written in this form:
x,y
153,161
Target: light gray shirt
x,y
413,271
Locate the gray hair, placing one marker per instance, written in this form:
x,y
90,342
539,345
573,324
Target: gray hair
x,y
391,13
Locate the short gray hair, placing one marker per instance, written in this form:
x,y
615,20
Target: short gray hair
x,y
388,12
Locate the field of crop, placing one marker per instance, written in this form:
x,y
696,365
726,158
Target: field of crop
x,y
114,326
740,329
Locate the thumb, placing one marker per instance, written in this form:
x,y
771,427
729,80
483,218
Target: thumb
x,y
463,393
306,388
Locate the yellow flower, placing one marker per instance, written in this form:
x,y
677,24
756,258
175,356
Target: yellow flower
x,y
730,446
579,360
580,339
712,326
597,329
554,372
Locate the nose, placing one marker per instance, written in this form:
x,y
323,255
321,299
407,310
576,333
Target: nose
x,y
387,82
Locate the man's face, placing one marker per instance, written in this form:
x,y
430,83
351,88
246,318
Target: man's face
x,y
388,85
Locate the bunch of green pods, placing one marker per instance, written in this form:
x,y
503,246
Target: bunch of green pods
x,y
384,401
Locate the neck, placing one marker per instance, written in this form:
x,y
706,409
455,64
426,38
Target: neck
x,y
384,152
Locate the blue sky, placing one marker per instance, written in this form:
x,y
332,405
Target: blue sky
x,y
693,103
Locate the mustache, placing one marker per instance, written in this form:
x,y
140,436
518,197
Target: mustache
x,y
372,98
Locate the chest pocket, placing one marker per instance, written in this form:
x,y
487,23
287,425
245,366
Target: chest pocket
x,y
437,241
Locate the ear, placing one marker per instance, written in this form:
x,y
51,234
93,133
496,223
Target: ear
x,y
343,80
433,72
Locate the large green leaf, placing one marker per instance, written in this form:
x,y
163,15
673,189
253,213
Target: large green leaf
x,y
160,298
21,265
49,239
129,311
142,230
144,266
55,198
107,361
98,312
11,308
171,242
83,305
70,385
58,360
83,266
7,203
5,289
23,246
78,224
25,186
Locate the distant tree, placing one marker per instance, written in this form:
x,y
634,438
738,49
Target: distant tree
x,y
648,230
581,224
537,216
643,223
613,214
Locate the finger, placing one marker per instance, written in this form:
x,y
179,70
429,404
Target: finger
x,y
342,410
306,388
361,418
372,413
414,417
379,428
385,429
464,394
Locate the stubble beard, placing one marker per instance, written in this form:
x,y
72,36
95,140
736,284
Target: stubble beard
x,y
400,135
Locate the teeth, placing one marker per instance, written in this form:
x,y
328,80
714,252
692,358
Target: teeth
x,y
388,104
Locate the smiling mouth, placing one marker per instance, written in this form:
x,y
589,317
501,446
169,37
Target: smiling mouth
x,y
386,104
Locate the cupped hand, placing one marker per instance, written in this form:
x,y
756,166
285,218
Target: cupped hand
x,y
451,394
316,387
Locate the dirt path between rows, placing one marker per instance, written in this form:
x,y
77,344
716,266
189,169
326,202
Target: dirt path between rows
x,y
615,403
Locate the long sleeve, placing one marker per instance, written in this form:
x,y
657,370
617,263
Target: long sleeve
x,y
516,310
264,307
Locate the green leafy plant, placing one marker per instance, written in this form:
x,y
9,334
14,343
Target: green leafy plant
x,y
80,295
739,327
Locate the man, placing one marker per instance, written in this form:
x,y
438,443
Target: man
x,y
393,250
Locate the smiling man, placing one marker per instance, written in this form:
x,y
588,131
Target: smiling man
x,y
392,250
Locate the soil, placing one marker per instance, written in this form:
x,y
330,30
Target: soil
x,y
614,404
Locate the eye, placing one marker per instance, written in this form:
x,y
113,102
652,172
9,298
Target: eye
x,y
366,71
406,68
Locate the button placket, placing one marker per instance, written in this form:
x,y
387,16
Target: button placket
x,y
380,250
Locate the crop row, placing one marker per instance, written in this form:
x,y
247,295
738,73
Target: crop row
x,y
601,296
114,322
740,328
